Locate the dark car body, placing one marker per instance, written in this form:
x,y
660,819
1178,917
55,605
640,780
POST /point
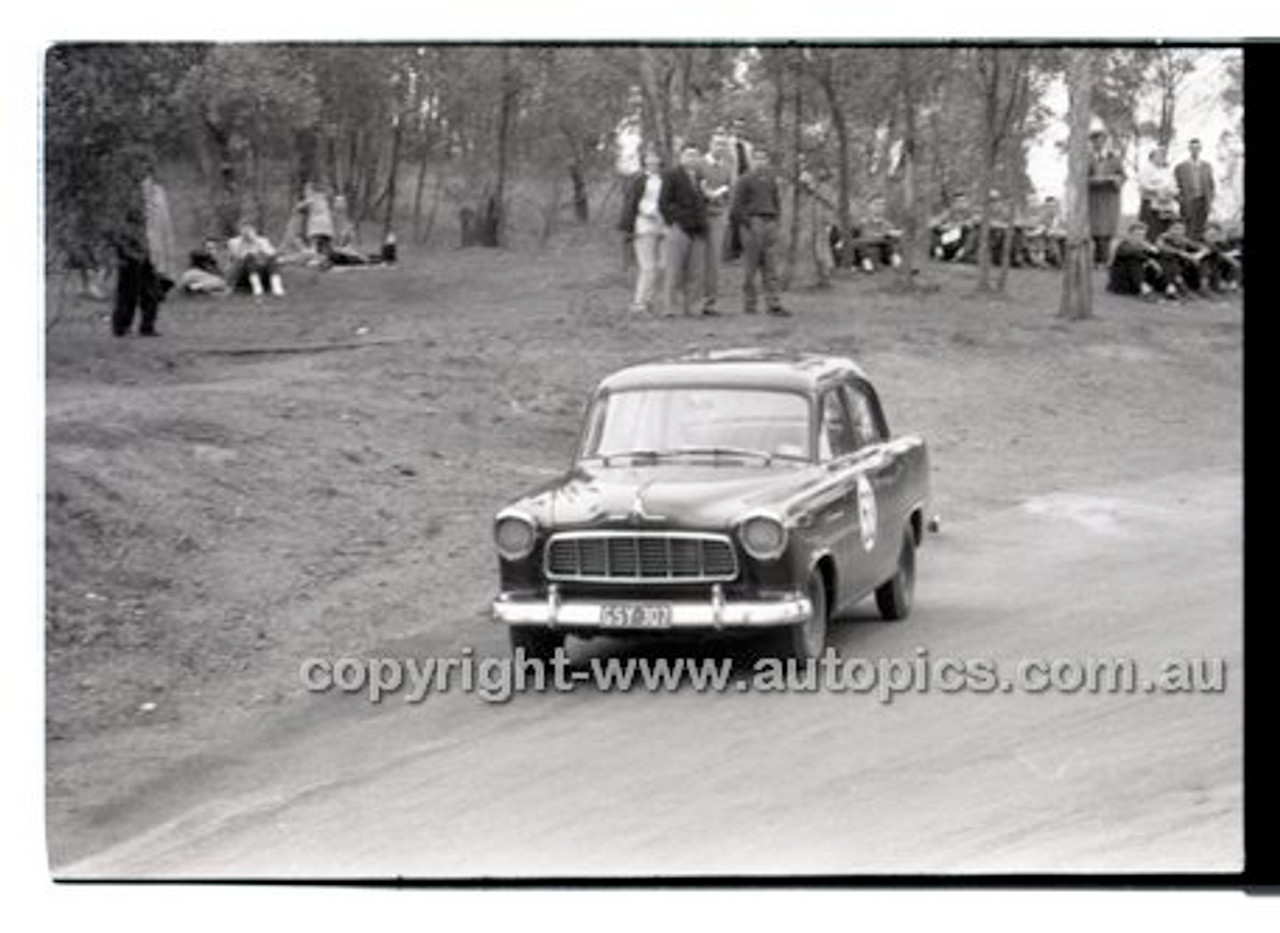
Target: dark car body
x,y
647,540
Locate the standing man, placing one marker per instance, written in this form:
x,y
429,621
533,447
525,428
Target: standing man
x,y
1156,190
757,205
146,251
1195,191
1106,176
715,177
684,211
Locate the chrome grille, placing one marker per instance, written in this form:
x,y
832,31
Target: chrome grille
x,y
640,557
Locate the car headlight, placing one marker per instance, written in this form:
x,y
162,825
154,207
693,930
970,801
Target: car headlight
x,y
764,537
514,535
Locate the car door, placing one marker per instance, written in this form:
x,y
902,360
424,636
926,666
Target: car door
x,y
879,472
837,516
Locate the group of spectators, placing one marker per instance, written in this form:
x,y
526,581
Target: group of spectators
x,y
1173,249
684,220
319,234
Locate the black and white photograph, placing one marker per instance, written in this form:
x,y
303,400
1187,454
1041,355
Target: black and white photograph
x,y
588,461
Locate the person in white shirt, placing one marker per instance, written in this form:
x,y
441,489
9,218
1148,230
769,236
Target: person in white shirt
x,y
1158,191
253,259
642,222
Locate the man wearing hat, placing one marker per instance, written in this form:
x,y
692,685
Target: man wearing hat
x,y
1106,176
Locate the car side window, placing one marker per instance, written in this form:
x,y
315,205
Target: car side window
x,y
868,428
835,437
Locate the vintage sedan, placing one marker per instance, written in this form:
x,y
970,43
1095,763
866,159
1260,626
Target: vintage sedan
x,y
738,489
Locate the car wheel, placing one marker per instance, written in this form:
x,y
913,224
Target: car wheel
x,y
538,643
809,639
894,597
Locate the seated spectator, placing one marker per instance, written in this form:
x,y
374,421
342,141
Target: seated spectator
x,y
878,241
1223,262
1045,235
253,259
294,248
952,231
204,275
1136,268
1184,259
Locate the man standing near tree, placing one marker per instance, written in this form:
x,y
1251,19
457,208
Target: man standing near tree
x,y
147,253
684,210
757,205
1195,191
1106,177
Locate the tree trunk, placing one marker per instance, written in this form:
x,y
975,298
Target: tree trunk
x,y
496,207
388,220
1077,266
839,124
906,78
657,107
581,200
420,184
797,107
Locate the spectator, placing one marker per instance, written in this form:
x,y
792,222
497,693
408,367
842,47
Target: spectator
x,y
757,205
205,274
1195,190
642,224
253,259
1157,192
1106,177
146,252
1223,261
879,241
1135,267
684,211
318,226
1046,235
952,230
1184,259
715,177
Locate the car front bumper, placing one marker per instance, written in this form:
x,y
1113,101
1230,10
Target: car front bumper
x,y
715,613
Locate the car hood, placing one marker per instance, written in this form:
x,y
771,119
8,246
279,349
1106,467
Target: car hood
x,y
666,494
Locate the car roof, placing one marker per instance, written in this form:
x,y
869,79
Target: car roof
x,y
747,367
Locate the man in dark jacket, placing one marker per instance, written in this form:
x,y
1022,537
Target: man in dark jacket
x,y
1194,178
757,206
684,210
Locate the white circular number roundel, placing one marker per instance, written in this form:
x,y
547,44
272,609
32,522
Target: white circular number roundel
x,y
867,516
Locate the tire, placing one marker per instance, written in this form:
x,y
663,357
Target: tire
x,y
894,597
538,643
809,639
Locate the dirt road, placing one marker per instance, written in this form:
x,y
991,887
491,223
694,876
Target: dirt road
x,y
589,783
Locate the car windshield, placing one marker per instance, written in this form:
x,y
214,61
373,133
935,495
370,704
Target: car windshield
x,y
687,421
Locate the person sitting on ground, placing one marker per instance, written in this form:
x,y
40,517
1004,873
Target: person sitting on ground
x,y
1046,235
253,260
1136,268
204,275
879,240
1184,259
1223,261
952,230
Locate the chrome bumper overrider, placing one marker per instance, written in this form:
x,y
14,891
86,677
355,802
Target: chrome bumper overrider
x,y
716,612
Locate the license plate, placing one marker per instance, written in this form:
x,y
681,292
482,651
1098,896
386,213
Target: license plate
x,y
635,615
